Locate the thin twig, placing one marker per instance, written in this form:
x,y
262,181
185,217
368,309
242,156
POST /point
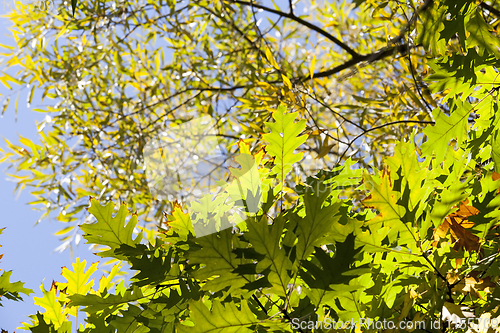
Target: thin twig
x,y
402,36
449,287
382,126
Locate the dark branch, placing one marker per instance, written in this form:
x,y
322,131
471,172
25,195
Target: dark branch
x,y
490,8
411,65
394,46
448,285
219,88
260,304
372,57
297,19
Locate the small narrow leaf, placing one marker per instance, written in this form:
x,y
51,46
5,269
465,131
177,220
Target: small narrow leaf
x,y
271,59
287,81
311,68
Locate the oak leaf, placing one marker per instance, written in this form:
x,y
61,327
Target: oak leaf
x,y
457,223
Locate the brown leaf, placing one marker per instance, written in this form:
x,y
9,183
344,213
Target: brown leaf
x,y
464,239
496,176
457,222
464,210
484,284
475,284
442,230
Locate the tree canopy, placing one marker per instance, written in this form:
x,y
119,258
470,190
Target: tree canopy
x,y
360,142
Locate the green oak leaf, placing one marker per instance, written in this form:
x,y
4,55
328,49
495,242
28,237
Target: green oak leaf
x,y
481,36
43,327
221,318
110,230
495,150
266,239
94,303
317,218
218,262
432,23
330,275
283,140
447,128
11,290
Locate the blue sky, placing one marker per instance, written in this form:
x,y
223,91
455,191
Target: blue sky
x,y
28,249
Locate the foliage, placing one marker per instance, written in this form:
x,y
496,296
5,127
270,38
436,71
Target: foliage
x,y
405,231
426,245
113,76
11,290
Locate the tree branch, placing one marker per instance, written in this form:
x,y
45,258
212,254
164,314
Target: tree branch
x,y
372,57
490,8
305,23
394,46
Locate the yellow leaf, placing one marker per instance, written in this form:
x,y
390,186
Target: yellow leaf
x,y
4,81
311,69
287,81
271,59
385,199
7,47
325,148
63,231
62,32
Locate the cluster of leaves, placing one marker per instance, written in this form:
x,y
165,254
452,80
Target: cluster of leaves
x,y
413,238
422,243
111,76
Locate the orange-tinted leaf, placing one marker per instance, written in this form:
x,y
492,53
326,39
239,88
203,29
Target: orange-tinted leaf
x,y
442,230
465,210
496,176
464,239
473,284
458,222
452,278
